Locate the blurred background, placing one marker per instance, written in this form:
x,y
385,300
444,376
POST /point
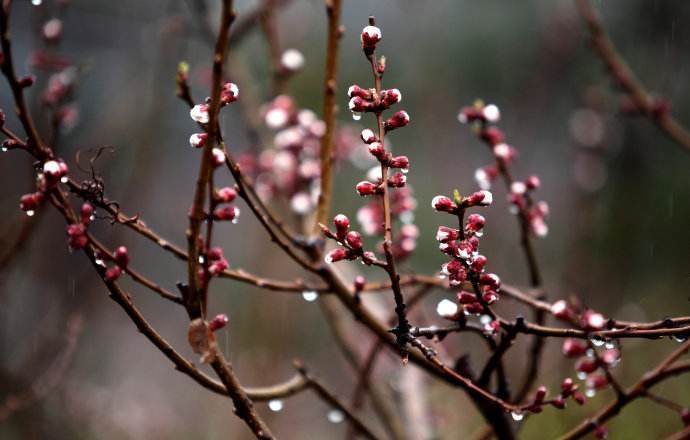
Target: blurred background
x,y
619,192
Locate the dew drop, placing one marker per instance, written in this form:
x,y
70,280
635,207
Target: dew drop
x,y
310,295
589,353
680,338
581,375
30,213
336,416
36,2
64,179
234,221
100,262
4,149
517,415
356,116
485,319
404,170
92,218
441,276
479,233
275,405
590,392
610,345
201,259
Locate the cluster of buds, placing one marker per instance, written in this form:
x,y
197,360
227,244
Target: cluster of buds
x,y
589,362
215,263
226,212
352,246
369,101
568,390
466,263
120,260
587,319
229,93
51,173
482,117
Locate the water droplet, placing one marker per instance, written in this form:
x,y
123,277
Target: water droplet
x,y
234,221
517,415
92,218
4,149
36,2
479,233
610,345
589,353
310,295
201,259
442,276
30,213
404,170
597,341
275,405
485,319
581,375
64,179
680,338
336,416
356,116
590,392
100,262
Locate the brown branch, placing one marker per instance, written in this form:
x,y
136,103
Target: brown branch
x,y
624,77
333,8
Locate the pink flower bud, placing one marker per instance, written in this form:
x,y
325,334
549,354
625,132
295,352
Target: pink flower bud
x,y
533,182
398,120
540,394
30,202
491,113
359,283
52,29
567,385
354,240
593,320
121,256
480,198
466,297
475,223
492,136
390,97
611,356
579,398
464,250
446,234
356,91
586,365
474,308
468,114
86,213
358,104
76,229
685,416
596,381
26,81
443,204
113,273
226,194
218,267
401,162
365,188
478,263
376,149
215,253
562,311
518,188
485,176
218,157
453,266
51,169
226,213
368,136
199,113
491,280
336,255
397,180
230,93
369,37
601,432
504,152
573,348
197,140
342,225
558,402
218,322
490,297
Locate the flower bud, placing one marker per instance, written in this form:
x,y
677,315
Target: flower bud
x,y
533,182
229,93
397,180
567,385
121,256
558,402
218,322
342,225
491,280
480,198
518,188
468,114
446,234
113,273
369,37
218,267
540,394
601,432
485,176
218,157
199,113
377,150
562,311
226,194
226,213
491,113
401,162
579,398
398,120
390,97
358,104
368,136
26,81
29,202
478,263
466,297
359,283
586,365
215,253
492,136
464,250
573,348
52,170
475,223
86,213
490,297
593,320
336,255
354,240
453,266
198,140
443,204
685,416
365,188
356,91
597,381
